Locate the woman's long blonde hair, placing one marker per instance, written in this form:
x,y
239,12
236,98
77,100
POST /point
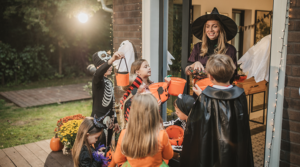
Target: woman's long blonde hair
x,y
136,66
222,40
81,139
144,124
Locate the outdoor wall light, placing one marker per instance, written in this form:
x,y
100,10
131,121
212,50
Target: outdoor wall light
x,y
83,17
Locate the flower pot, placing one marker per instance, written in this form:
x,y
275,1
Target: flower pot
x,y
67,151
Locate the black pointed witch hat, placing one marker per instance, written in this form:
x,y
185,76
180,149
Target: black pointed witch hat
x,y
229,25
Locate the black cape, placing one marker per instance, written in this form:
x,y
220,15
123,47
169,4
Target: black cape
x,y
218,133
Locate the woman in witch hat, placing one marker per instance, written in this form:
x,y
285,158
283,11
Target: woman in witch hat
x,y
214,30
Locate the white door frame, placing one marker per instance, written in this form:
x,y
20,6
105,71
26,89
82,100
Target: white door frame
x,y
150,46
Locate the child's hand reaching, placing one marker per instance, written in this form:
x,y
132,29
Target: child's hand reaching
x,y
197,90
116,128
99,153
168,80
142,88
102,149
159,102
116,56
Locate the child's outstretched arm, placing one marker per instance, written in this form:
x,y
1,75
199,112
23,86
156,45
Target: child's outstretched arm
x,y
177,122
167,152
118,156
168,80
102,69
197,90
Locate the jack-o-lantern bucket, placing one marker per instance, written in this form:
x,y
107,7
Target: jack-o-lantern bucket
x,y
160,91
176,134
176,86
122,77
203,83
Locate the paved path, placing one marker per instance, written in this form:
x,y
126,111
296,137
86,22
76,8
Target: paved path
x,y
49,95
34,154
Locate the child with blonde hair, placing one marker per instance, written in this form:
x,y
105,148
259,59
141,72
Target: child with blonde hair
x,y
144,143
142,68
83,153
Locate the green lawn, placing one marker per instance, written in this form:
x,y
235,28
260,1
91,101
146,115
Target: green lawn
x,y
48,83
20,125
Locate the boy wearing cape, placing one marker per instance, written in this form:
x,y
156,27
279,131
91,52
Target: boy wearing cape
x,y
218,133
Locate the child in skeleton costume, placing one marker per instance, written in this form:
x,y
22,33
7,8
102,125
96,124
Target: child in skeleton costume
x,y
103,94
183,105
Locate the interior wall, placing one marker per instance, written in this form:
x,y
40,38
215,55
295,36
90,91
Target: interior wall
x,y
227,6
248,34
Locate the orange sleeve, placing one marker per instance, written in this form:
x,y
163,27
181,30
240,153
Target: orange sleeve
x,y
167,151
118,156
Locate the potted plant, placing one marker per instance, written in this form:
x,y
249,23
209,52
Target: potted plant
x,y
56,143
67,134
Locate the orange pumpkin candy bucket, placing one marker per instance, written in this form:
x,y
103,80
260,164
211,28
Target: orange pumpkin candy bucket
x,y
176,134
203,83
160,91
122,77
176,86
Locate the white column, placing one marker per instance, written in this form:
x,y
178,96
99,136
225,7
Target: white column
x,y
150,35
279,24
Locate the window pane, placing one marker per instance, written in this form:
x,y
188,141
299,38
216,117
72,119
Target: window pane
x,y
174,47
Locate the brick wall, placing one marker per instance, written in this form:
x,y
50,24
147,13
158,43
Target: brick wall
x,y
127,23
290,143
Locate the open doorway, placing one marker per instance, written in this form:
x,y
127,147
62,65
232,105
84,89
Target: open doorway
x,y
253,19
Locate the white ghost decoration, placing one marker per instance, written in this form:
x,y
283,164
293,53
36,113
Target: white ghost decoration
x,y
127,48
256,60
169,60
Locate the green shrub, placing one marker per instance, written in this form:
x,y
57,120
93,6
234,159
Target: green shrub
x,y
30,64
88,88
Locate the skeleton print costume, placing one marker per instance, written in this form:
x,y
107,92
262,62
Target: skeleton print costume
x,y
184,103
177,122
103,94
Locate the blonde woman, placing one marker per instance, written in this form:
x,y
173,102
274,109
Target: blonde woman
x,y
214,30
144,143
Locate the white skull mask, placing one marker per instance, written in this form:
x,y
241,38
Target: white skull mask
x,y
104,56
